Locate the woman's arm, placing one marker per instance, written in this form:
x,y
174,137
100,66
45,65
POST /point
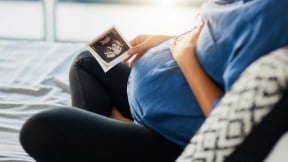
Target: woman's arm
x,y
203,88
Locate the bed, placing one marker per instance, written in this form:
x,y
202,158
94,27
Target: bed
x,y
33,78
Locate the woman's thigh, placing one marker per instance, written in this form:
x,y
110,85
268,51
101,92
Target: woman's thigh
x,y
65,134
96,91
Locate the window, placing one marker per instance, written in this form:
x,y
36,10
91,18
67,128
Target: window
x,y
21,19
82,20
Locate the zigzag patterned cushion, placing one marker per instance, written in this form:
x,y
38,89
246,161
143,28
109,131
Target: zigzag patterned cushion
x,y
249,119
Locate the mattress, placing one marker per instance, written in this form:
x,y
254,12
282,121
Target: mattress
x,y
33,78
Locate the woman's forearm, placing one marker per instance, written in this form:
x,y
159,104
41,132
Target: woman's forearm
x,y
203,88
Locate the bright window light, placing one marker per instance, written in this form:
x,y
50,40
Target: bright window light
x,y
176,2
165,2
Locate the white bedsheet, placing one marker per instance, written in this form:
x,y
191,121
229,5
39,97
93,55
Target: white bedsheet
x,y
33,77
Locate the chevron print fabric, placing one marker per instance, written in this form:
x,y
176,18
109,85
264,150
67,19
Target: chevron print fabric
x,y
249,101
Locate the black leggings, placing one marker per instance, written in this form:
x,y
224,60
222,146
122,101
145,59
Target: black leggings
x,y
77,135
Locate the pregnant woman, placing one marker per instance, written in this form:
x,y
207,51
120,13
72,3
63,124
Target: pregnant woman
x,y
167,88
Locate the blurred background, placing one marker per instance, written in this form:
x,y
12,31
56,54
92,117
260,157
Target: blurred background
x,y
83,20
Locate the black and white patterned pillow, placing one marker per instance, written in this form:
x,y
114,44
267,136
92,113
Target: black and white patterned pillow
x,y
245,125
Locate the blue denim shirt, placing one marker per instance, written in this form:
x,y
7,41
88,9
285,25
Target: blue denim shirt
x,y
236,33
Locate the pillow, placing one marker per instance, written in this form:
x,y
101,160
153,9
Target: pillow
x,y
249,119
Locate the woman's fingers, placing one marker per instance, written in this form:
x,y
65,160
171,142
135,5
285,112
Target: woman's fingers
x,y
139,48
136,44
138,39
197,32
125,60
133,60
140,44
187,41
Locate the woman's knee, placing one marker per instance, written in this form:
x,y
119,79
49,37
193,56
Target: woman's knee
x,y
84,60
37,133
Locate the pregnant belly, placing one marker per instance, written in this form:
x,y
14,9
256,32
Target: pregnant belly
x,y
160,97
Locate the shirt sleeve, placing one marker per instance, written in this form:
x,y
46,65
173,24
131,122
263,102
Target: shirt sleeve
x,y
259,32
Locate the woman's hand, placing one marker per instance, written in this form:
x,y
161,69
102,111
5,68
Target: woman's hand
x,y
184,46
140,44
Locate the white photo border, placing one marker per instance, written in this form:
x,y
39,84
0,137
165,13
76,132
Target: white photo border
x,y
106,66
